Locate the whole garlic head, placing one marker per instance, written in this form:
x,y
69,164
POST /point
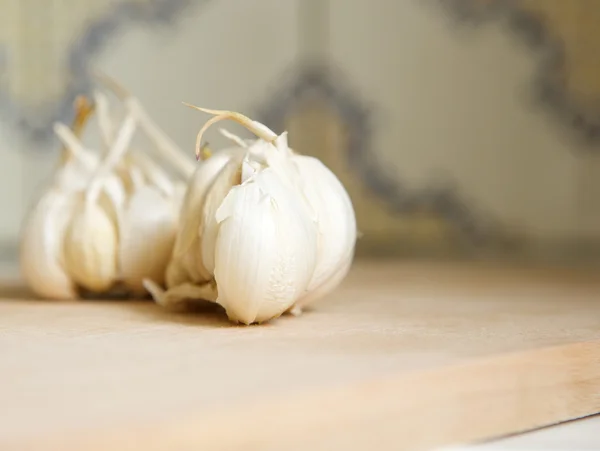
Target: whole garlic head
x,y
263,230
106,221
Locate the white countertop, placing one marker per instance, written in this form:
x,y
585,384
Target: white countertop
x,y
577,435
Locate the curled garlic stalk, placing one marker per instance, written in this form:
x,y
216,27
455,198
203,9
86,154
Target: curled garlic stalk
x,y
263,230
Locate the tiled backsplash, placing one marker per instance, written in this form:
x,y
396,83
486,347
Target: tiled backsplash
x,y
458,127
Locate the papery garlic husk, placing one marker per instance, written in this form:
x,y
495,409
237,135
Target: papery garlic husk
x,y
186,263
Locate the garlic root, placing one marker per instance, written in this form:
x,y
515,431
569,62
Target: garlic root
x,y
180,294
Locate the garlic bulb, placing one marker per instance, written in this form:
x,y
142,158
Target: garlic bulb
x,y
105,222
264,230
137,218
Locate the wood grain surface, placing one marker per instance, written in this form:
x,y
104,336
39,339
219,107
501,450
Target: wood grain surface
x,y
400,357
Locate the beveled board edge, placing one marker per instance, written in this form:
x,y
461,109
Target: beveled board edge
x,y
478,400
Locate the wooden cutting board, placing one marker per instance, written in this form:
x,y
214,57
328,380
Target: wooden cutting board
x,y
400,357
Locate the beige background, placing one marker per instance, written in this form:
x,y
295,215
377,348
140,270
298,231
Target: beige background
x,y
448,103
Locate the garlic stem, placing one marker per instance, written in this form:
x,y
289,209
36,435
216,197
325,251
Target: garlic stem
x,y
107,129
162,141
180,293
157,176
83,110
113,85
116,152
235,138
260,130
70,142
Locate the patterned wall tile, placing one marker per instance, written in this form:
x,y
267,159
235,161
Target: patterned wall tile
x,y
63,49
324,86
565,40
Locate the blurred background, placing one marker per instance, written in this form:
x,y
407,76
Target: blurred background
x,y
461,128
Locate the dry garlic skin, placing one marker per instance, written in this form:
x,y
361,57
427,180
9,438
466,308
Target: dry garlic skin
x,y
229,177
265,251
335,218
41,246
186,263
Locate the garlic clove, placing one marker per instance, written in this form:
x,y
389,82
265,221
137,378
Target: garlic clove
x,y
265,249
90,247
147,233
335,220
40,253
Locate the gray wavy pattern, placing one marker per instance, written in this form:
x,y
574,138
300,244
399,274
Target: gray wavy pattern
x,y
548,87
36,123
321,82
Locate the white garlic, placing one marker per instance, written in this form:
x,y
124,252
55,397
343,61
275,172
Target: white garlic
x,y
90,247
265,251
147,234
91,240
186,263
148,218
104,222
263,230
